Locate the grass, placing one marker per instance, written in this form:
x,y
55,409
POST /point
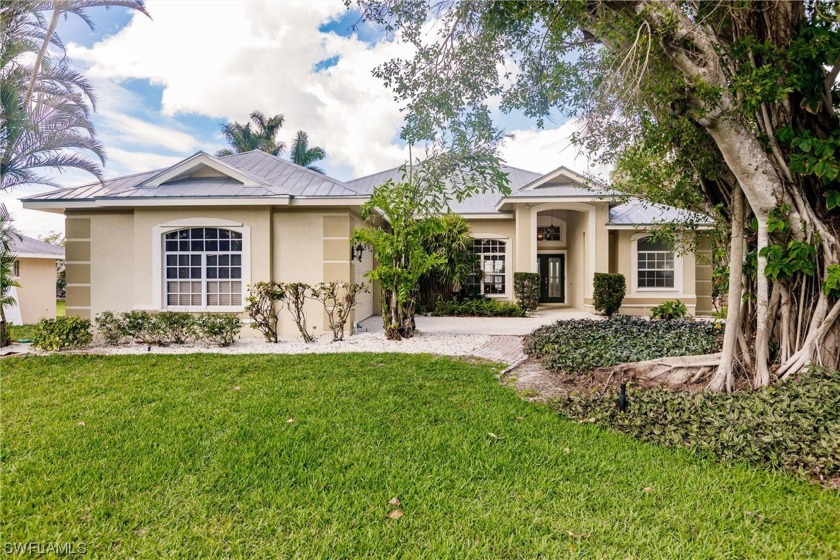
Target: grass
x,y
60,307
193,456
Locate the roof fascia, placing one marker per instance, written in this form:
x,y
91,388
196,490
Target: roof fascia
x,y
201,158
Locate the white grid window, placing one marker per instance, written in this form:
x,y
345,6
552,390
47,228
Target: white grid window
x,y
655,264
492,262
203,267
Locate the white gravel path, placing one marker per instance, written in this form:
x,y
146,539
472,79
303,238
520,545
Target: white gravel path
x,y
422,343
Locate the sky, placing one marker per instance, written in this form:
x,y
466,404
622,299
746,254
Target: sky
x,y
165,86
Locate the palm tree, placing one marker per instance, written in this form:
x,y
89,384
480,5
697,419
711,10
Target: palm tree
x,y
45,106
305,156
8,234
263,135
454,242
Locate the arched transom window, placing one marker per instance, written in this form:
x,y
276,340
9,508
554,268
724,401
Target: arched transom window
x,y
655,264
203,267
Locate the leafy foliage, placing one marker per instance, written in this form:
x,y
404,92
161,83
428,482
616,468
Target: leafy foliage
x,y
669,310
218,328
453,241
258,134
526,286
793,426
260,305
478,308
609,292
62,333
581,345
304,155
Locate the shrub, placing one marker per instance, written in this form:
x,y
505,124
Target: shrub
x,y
581,345
338,299
526,286
218,328
62,333
174,327
139,326
794,425
478,308
110,327
669,310
608,292
260,307
295,295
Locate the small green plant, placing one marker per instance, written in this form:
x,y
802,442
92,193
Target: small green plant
x,y
110,327
338,299
526,286
62,333
478,308
176,327
260,305
669,310
218,328
609,292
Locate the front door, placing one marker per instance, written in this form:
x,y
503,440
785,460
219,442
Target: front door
x,y
552,278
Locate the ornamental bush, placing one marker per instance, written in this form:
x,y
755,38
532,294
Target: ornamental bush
x,y
794,425
669,310
62,333
581,345
477,308
526,286
110,327
609,292
218,328
260,305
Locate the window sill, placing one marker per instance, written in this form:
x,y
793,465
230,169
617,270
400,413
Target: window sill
x,y
207,309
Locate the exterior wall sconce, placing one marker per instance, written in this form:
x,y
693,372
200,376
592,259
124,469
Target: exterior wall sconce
x,y
356,252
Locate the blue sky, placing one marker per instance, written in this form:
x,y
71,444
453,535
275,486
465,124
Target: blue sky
x,y
165,88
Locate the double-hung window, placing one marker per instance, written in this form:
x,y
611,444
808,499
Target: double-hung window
x,y
655,264
492,262
203,267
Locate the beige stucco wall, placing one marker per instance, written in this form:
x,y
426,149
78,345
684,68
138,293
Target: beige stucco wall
x,y
36,294
639,301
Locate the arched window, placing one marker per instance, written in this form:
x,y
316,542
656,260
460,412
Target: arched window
x,y
655,264
203,267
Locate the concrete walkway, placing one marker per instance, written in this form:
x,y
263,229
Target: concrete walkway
x,y
494,326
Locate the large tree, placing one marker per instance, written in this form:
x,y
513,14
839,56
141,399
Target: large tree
x,y
260,133
45,106
305,155
696,101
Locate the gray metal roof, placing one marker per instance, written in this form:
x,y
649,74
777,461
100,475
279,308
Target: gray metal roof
x,y
26,245
638,212
483,203
564,190
276,176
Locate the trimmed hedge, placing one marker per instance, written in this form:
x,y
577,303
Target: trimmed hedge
x,y
608,292
62,333
794,425
477,308
526,286
581,345
167,327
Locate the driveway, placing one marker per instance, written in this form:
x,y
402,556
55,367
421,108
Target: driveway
x,y
494,326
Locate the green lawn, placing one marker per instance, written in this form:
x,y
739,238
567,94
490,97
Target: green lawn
x,y
194,457
60,307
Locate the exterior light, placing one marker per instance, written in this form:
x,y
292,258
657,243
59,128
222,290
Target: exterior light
x,y
356,252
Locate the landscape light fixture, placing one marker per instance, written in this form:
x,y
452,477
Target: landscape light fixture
x,y
356,252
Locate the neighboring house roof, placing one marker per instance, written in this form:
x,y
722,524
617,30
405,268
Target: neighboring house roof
x,y
636,212
482,203
249,174
29,247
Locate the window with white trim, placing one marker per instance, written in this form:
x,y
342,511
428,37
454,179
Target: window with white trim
x,y
492,256
655,264
203,267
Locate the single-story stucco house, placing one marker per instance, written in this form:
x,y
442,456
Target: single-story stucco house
x,y
35,270
193,236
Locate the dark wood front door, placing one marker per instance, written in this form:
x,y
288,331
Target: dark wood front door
x,y
552,278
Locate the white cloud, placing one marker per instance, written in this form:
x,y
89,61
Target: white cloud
x,y
229,58
546,150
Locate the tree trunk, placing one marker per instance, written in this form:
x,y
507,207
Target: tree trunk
x,y
762,316
722,380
